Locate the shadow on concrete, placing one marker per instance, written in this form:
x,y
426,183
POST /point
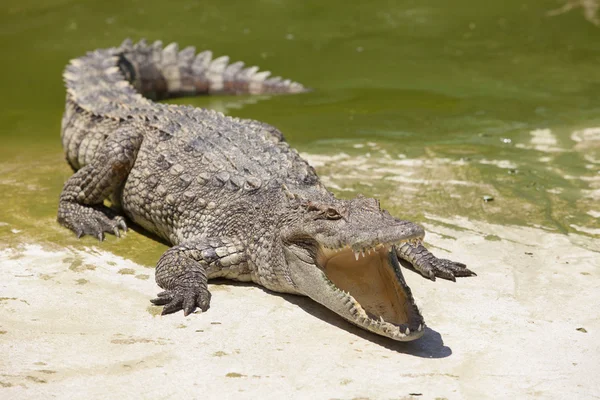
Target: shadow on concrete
x,y
430,345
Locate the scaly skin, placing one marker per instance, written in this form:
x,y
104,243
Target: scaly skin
x,y
230,195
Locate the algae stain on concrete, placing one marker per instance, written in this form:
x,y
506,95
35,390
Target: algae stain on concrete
x,y
234,375
132,341
493,238
154,310
47,371
77,265
126,271
35,379
143,277
81,281
2,299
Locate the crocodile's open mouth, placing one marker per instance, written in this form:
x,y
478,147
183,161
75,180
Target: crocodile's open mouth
x,y
373,289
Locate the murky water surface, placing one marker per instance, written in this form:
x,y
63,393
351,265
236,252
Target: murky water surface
x,y
431,106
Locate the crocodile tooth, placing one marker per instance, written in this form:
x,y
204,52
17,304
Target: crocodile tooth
x,y
420,328
362,253
356,254
381,319
369,251
407,331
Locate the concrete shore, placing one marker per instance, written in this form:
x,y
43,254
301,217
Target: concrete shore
x,y
78,324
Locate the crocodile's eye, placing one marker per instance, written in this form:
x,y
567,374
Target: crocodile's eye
x,y
332,213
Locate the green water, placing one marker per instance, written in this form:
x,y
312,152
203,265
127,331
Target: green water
x,y
429,105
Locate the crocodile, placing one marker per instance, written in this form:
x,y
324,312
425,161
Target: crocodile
x,y
228,194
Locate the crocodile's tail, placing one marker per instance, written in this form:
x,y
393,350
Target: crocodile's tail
x,y
116,83
159,72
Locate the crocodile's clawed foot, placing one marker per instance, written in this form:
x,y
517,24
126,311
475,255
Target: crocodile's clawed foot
x,y
98,223
442,268
186,299
418,258
93,221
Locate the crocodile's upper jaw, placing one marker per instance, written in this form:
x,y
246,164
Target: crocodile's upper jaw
x,y
367,289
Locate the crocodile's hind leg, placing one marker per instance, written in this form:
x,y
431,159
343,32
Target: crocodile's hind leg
x,y
81,206
418,258
184,270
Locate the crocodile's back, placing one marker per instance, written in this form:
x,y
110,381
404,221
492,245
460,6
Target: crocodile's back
x,y
210,162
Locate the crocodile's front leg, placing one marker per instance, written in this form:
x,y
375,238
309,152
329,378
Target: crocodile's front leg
x,y
428,265
80,206
183,272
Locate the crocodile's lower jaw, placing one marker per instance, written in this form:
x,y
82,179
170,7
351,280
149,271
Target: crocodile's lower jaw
x,y
374,290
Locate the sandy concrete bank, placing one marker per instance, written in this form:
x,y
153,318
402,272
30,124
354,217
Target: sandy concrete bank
x,y
78,324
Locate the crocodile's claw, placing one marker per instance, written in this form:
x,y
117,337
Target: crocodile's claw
x,y
92,221
442,268
418,258
183,299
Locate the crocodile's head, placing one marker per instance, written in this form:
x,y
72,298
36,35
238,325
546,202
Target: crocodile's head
x,y
341,254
